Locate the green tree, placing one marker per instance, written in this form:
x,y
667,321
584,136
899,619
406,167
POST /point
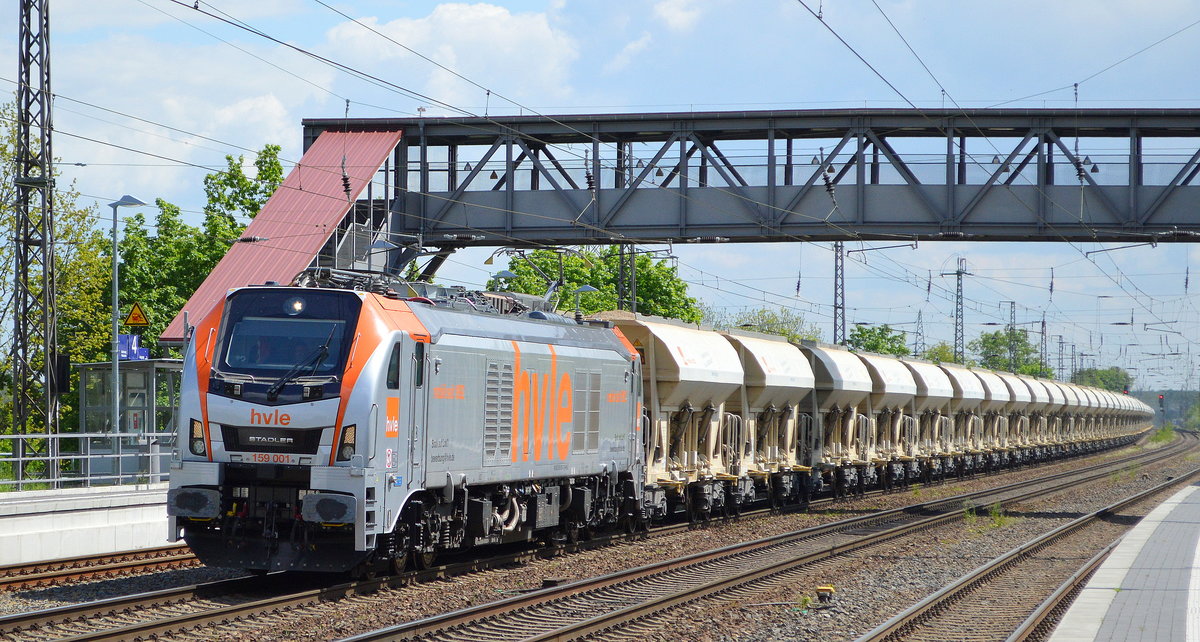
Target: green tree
x,y
1004,349
879,339
232,193
660,291
941,352
782,321
1112,378
162,271
82,268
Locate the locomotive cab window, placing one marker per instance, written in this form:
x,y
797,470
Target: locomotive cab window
x,y
393,373
271,332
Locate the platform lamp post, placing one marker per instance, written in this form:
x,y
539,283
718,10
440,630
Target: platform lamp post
x,y
504,279
126,201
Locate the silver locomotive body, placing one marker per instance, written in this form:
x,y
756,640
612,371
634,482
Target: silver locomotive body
x,y
333,430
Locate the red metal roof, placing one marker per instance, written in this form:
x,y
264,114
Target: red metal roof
x,y
296,221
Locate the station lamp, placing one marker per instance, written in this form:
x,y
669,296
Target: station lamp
x,y
125,201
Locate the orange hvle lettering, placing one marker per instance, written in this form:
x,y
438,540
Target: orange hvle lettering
x,y
546,401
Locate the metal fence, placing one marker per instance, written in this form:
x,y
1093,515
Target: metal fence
x,y
96,453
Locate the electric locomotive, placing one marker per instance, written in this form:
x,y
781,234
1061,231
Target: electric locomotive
x,y
360,424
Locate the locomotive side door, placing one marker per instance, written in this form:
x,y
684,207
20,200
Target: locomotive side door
x,y
415,402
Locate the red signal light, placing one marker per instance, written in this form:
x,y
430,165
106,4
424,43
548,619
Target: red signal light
x,y
1160,397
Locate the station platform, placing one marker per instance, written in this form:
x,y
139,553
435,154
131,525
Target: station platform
x,y
1149,587
40,525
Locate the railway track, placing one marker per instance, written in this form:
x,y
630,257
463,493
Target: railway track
x,y
15,577
1044,618
1018,581
614,606
174,610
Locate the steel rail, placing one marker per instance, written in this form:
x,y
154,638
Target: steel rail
x,y
51,572
445,622
1061,598
903,623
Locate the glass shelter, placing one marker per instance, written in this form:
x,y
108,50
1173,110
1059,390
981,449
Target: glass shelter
x,y
138,449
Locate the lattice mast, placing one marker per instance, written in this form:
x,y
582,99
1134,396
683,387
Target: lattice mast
x,y
959,336
35,403
1012,336
919,341
839,293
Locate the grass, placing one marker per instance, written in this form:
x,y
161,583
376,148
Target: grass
x,y
1127,474
969,515
996,518
1163,435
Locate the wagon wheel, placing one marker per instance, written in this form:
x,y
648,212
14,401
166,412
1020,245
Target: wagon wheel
x,y
423,560
399,561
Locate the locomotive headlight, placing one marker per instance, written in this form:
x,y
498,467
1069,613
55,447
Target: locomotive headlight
x,y
346,445
196,443
294,306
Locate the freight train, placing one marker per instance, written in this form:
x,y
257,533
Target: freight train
x,y
351,423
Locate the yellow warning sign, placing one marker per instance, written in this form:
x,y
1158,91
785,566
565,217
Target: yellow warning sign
x,y
136,316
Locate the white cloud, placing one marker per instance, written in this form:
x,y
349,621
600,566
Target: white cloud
x,y
516,54
627,54
679,15
188,87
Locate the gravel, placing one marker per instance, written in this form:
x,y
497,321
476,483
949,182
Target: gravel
x,y
53,596
872,588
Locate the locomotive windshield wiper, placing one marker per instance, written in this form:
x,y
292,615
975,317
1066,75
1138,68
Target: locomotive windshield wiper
x,y
313,360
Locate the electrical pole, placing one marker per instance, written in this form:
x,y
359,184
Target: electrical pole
x,y
959,339
1044,362
1074,367
1011,338
839,293
35,347
1061,372
621,276
919,342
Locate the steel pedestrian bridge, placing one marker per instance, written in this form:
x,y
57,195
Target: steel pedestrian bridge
x,y
1112,175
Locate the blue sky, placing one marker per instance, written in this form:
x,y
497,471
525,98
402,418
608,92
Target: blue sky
x,y
227,91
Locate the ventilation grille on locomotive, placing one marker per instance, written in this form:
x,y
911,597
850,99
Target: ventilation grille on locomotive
x,y
497,414
587,412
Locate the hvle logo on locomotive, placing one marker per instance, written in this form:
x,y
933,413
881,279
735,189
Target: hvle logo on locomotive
x,y
270,418
547,405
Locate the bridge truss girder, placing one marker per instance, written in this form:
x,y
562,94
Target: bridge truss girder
x,y
989,175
